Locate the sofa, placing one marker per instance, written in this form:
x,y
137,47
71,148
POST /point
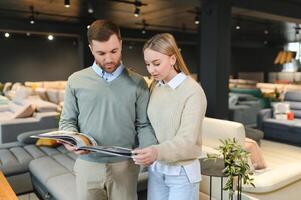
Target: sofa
x,y
26,114
244,108
282,130
49,171
264,102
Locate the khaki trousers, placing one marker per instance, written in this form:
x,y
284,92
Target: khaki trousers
x,y
106,181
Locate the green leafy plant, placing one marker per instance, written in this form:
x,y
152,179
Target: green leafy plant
x,y
235,162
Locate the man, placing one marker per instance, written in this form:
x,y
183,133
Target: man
x,y
108,102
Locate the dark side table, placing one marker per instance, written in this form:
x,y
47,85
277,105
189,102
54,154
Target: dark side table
x,y
213,168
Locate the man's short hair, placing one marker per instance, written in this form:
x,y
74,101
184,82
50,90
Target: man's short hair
x,y
101,30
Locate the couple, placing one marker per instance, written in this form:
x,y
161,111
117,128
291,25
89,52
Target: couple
x,y
113,105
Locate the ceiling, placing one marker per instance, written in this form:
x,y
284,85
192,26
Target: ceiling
x,y
167,15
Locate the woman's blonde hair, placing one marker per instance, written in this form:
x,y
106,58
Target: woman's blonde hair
x,y
165,43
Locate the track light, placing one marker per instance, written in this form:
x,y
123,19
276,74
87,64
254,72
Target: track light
x,y
237,26
143,31
7,35
31,17
67,3
90,8
196,20
137,12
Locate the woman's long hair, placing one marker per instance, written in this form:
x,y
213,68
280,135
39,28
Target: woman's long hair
x,y
165,43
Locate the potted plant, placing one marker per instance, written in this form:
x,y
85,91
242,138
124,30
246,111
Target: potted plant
x,y
236,164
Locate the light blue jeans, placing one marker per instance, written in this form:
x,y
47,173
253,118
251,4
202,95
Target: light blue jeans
x,y
171,187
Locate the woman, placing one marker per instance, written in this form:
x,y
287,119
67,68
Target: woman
x,y
176,111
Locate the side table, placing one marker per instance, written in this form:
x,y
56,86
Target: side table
x,y
213,168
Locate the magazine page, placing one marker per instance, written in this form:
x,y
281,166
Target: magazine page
x,y
110,150
72,138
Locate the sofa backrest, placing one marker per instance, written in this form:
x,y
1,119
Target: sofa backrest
x,y
293,98
215,129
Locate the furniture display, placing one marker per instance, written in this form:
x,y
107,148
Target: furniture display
x,y
282,130
49,170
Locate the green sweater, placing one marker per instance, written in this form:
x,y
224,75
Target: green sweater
x,y
113,113
177,116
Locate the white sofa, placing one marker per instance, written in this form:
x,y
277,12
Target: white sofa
x,y
277,183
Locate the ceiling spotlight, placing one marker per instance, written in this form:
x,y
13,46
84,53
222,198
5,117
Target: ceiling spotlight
x,y
88,26
237,27
196,20
67,3
266,31
31,19
50,37
137,12
6,35
143,31
90,8
28,34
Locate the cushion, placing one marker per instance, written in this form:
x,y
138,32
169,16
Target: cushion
x,y
41,92
25,136
47,142
21,93
3,100
41,106
53,95
257,159
26,111
280,110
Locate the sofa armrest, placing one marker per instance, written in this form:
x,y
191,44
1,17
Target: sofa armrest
x,y
262,115
274,179
24,138
9,130
215,129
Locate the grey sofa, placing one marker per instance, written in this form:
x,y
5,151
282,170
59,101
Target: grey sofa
x,y
45,170
10,129
244,108
287,131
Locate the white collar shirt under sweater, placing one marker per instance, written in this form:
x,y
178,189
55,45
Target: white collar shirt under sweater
x,y
166,134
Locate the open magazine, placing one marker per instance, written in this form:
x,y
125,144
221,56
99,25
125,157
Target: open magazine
x,y
84,142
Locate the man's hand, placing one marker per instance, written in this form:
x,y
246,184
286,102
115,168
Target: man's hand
x,y
145,156
73,149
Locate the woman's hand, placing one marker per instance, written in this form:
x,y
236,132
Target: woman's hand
x,y
73,149
145,156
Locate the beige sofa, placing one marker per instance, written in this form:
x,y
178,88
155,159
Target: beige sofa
x,y
276,183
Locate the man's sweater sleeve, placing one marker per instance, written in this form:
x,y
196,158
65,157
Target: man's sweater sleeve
x,y
186,144
146,135
68,119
